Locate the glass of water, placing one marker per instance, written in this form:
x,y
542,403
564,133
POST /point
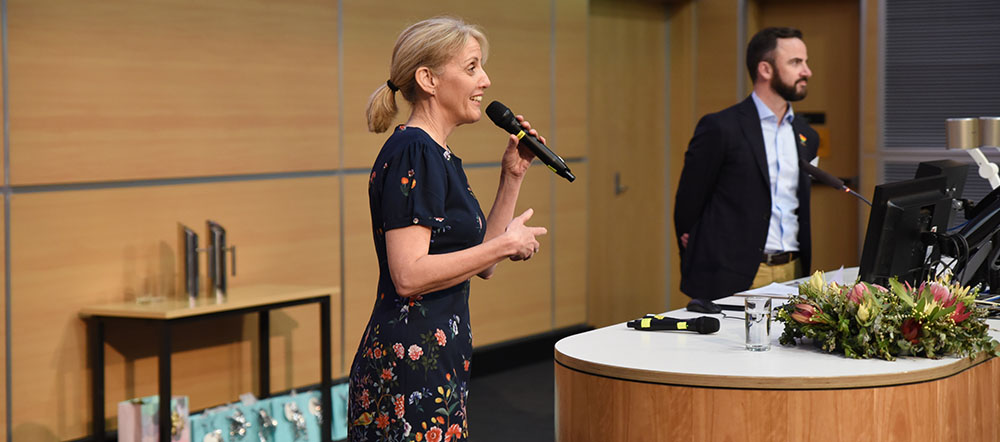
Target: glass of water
x,y
758,323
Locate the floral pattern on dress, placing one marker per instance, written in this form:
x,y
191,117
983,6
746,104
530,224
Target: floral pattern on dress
x,y
386,410
409,378
407,183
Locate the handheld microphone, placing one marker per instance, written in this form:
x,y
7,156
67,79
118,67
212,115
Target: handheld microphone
x,y
703,324
830,180
503,117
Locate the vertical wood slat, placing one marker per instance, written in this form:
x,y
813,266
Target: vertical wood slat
x,y
4,324
569,220
683,77
627,220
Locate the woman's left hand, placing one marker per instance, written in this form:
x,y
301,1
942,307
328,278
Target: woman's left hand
x,y
517,157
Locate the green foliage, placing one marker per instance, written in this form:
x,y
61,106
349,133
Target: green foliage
x,y
868,321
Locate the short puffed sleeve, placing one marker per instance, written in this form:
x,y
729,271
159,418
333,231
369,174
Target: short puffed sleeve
x,y
415,186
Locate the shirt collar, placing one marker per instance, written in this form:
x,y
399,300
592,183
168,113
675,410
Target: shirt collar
x,y
765,113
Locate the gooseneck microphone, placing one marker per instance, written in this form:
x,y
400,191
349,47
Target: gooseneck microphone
x,y
830,180
702,324
503,117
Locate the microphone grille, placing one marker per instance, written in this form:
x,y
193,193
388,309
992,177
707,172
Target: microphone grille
x,y
499,113
706,324
821,175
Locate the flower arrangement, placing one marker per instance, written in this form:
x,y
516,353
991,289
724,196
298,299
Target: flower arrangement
x,y
864,320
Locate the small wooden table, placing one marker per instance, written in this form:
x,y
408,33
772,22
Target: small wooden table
x,y
259,299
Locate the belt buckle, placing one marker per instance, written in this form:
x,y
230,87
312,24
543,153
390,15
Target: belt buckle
x,y
772,258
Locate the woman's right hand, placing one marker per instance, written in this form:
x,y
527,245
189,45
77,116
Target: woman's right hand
x,y
522,237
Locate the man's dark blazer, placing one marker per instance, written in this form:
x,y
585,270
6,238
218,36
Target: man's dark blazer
x,y
724,203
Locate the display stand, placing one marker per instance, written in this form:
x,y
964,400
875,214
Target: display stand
x,y
241,300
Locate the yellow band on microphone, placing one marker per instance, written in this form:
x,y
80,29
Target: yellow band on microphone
x,y
645,322
520,135
682,325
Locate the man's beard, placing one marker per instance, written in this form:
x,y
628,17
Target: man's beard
x,y
784,90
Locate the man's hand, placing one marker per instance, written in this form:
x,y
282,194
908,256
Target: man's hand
x,y
684,240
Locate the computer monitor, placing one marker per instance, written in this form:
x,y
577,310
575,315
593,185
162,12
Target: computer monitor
x,y
901,213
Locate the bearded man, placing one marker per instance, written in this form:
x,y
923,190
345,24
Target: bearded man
x,y
741,213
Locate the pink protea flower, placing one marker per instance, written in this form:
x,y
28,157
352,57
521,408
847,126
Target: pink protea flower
x,y
941,294
857,294
804,313
960,314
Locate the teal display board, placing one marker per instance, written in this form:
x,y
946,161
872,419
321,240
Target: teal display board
x,y
287,418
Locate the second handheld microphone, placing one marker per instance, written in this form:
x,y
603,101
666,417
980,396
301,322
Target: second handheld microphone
x,y
702,324
503,117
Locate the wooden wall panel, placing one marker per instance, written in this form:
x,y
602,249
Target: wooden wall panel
x,y
517,301
360,264
119,90
870,109
570,80
83,247
3,328
569,234
3,125
682,121
519,35
627,268
569,222
718,59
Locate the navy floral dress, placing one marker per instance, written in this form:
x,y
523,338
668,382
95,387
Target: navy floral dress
x,y
410,377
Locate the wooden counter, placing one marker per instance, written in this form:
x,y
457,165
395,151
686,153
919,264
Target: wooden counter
x,y
622,384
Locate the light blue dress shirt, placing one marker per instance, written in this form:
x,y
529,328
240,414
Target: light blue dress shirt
x,y
783,170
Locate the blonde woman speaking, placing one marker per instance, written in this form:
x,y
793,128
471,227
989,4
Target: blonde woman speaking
x,y
410,376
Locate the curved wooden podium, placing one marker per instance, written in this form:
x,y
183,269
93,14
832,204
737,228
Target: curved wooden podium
x,y
616,383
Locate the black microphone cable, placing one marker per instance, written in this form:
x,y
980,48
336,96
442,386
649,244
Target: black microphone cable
x,y
830,180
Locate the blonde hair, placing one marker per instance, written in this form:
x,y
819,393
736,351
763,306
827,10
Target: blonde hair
x,y
431,43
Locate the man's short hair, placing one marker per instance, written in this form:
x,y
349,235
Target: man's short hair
x,y
761,47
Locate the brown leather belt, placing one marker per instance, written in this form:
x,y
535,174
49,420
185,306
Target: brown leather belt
x,y
777,259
